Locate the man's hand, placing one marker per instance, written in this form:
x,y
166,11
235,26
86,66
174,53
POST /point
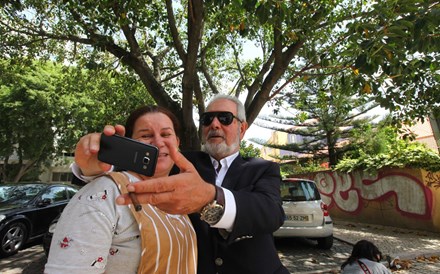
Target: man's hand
x,y
183,193
86,151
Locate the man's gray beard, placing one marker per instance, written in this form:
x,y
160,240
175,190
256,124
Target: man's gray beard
x,y
221,150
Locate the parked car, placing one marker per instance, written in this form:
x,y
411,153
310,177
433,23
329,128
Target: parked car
x,y
306,214
26,211
47,238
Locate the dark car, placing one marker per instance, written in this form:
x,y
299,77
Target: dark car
x,y
47,238
27,210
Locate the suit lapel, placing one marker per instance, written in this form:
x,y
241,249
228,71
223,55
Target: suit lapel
x,y
230,182
209,171
204,167
202,162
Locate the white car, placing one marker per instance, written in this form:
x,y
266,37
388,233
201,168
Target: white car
x,y
306,213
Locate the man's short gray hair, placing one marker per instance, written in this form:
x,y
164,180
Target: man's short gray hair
x,y
241,113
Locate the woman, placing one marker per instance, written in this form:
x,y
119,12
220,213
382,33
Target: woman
x,y
364,259
94,235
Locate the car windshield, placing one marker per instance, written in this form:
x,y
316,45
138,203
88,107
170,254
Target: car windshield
x,y
19,194
299,191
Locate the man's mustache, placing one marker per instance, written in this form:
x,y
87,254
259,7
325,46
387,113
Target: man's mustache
x,y
215,133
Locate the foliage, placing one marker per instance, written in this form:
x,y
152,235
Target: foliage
x,y
326,114
372,139
26,130
45,108
393,152
183,52
249,150
293,168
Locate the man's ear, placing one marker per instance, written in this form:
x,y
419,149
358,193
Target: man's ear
x,y
243,128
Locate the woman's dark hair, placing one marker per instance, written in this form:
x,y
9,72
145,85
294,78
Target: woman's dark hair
x,y
363,249
131,120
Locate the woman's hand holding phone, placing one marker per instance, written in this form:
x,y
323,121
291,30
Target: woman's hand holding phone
x,y
87,148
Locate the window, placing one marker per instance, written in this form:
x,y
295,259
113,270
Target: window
x,y
55,194
71,192
310,191
299,191
62,176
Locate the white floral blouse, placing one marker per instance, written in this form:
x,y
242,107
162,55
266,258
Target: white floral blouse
x,y
94,235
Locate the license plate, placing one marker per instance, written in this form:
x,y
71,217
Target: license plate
x,y
298,218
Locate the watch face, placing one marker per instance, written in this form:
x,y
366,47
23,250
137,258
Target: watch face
x,y
212,213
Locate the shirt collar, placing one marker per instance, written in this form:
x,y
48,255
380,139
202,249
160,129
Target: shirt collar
x,y
226,162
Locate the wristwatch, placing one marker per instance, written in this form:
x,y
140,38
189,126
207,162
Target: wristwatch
x,y
213,212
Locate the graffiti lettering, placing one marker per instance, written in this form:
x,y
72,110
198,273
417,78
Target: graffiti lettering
x,y
349,192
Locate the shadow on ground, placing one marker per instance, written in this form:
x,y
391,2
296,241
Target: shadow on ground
x,y
30,260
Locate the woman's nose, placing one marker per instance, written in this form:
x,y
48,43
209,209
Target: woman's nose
x,y
158,141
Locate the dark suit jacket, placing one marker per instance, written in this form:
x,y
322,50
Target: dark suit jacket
x,y
249,247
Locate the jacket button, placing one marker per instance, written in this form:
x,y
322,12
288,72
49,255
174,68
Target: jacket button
x,y
218,261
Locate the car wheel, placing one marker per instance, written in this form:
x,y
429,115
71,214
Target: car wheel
x,y
326,242
12,237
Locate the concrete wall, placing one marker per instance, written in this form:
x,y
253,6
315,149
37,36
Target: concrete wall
x,y
407,198
425,133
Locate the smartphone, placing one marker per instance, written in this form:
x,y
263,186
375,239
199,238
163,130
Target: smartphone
x,y
128,154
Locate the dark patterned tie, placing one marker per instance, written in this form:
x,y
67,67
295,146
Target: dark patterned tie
x,y
218,167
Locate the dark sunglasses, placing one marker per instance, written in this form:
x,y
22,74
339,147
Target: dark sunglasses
x,y
224,117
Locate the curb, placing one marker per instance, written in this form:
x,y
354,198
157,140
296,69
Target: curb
x,y
415,254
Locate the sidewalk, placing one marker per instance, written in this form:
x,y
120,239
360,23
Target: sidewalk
x,y
418,251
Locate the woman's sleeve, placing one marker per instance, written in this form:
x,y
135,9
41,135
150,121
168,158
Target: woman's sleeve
x,y
83,178
84,233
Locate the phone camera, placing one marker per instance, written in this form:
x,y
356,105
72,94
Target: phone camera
x,y
146,160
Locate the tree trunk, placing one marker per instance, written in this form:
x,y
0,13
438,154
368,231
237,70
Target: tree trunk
x,y
24,168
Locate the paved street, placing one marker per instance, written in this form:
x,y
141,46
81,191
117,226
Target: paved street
x,y
418,250
28,261
302,256
299,255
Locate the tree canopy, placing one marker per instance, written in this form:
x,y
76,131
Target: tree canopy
x,y
185,51
45,108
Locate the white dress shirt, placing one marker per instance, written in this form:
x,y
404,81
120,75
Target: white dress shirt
x,y
228,218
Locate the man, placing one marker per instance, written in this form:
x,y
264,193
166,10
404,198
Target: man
x,y
235,202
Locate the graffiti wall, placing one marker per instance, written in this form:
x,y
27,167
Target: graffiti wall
x,y
408,198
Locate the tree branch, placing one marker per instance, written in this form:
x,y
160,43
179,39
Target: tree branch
x,y
174,32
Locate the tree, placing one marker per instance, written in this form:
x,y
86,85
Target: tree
x,y
248,150
25,129
327,113
45,108
185,51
